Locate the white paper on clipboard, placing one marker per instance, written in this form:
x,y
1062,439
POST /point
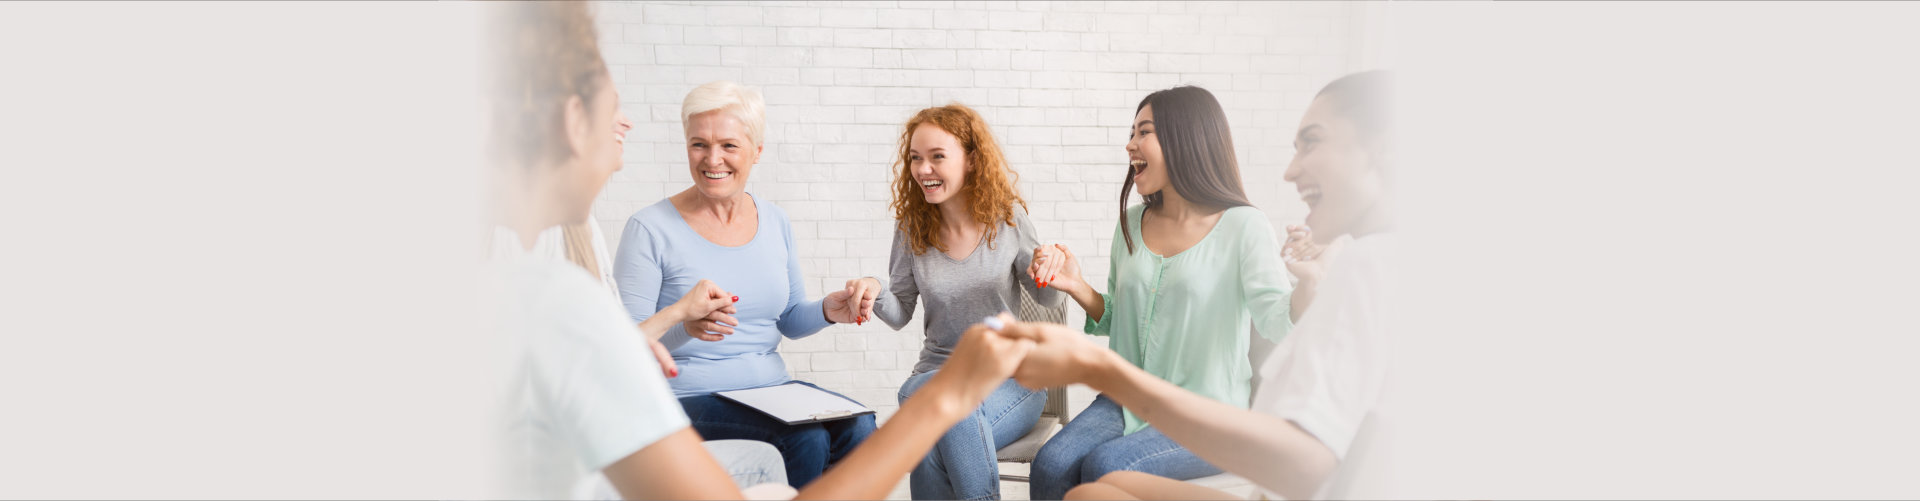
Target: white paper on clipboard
x,y
797,403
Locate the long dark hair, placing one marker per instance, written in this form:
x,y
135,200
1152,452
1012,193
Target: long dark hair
x,y
1198,148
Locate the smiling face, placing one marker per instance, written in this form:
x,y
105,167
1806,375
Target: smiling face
x,y
720,154
1336,176
1147,166
938,163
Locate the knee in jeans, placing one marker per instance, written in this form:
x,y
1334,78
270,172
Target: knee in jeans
x,y
808,439
1104,461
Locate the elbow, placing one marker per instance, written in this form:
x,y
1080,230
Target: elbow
x,y
1310,473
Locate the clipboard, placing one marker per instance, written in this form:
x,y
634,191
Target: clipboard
x,y
794,403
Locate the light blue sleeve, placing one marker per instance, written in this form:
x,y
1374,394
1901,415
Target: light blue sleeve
x,y
636,272
802,318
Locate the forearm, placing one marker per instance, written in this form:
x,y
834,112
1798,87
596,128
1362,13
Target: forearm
x,y
1302,297
661,321
1271,451
890,452
893,307
1090,300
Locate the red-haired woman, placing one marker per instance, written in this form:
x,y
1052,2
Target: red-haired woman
x,y
963,244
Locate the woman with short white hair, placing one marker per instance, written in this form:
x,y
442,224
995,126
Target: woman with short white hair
x,y
717,231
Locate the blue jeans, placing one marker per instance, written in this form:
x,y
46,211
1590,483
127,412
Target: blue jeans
x,y
807,448
964,464
1092,446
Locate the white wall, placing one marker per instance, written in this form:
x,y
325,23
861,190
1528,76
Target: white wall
x,y
1058,82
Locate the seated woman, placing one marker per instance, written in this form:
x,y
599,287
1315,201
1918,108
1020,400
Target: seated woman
x,y
1325,379
963,244
717,231
1192,270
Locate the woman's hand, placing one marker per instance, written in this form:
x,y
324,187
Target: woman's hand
x,y
1060,356
660,353
1302,255
1055,266
1046,264
853,305
982,360
706,311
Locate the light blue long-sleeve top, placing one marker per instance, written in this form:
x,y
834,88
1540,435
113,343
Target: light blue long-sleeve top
x,y
661,258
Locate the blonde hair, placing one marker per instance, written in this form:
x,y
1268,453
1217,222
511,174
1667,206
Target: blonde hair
x,y
990,189
540,54
577,242
742,102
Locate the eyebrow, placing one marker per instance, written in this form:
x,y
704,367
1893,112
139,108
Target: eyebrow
x,y
1143,123
721,140
1304,130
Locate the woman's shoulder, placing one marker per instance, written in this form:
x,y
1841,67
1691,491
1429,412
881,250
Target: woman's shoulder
x,y
768,209
1243,216
657,213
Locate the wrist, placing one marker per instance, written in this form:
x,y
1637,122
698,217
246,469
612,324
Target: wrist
x,y
1105,370
946,396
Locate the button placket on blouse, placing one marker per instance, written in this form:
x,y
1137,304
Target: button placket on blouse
x,y
1153,304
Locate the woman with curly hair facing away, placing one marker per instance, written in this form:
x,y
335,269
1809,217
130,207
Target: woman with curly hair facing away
x,y
963,243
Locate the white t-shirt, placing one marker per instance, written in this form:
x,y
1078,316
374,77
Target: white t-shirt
x,y
579,387
1328,374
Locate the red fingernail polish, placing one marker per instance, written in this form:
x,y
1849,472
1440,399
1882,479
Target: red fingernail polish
x,y
736,299
673,373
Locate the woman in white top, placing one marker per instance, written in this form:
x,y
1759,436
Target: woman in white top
x,y
581,394
1324,379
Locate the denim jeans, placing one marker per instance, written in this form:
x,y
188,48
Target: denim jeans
x,y
964,464
807,448
1092,446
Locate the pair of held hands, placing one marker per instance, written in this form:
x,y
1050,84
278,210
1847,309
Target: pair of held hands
x,y
1056,266
709,310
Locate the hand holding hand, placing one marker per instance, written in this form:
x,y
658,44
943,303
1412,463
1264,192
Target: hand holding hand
x,y
1055,266
1046,264
1302,255
854,304
984,359
708,310
1060,356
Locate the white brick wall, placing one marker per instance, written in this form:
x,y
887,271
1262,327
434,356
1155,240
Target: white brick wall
x,y
1058,82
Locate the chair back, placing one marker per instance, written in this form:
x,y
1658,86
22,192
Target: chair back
x,y
1031,310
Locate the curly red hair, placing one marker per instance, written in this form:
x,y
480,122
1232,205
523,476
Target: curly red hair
x,y
989,185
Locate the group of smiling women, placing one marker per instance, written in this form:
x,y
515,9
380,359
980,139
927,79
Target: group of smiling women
x,y
711,276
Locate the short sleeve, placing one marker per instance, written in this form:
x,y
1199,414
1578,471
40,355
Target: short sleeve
x,y
599,382
1328,375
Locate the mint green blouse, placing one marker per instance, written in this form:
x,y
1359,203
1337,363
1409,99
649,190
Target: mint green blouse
x,y
1185,317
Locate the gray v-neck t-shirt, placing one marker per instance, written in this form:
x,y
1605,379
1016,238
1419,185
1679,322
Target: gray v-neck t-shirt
x,y
960,292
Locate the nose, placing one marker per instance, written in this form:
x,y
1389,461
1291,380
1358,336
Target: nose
x,y
921,167
714,158
1292,174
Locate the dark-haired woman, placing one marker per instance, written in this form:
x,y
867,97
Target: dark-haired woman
x,y
1193,269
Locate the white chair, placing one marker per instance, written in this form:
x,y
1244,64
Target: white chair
x,y
1054,416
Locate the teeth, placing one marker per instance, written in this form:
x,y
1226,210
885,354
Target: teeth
x,y
1138,164
620,138
716,175
931,184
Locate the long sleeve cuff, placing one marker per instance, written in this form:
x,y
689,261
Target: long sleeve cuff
x,y
804,320
1101,326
